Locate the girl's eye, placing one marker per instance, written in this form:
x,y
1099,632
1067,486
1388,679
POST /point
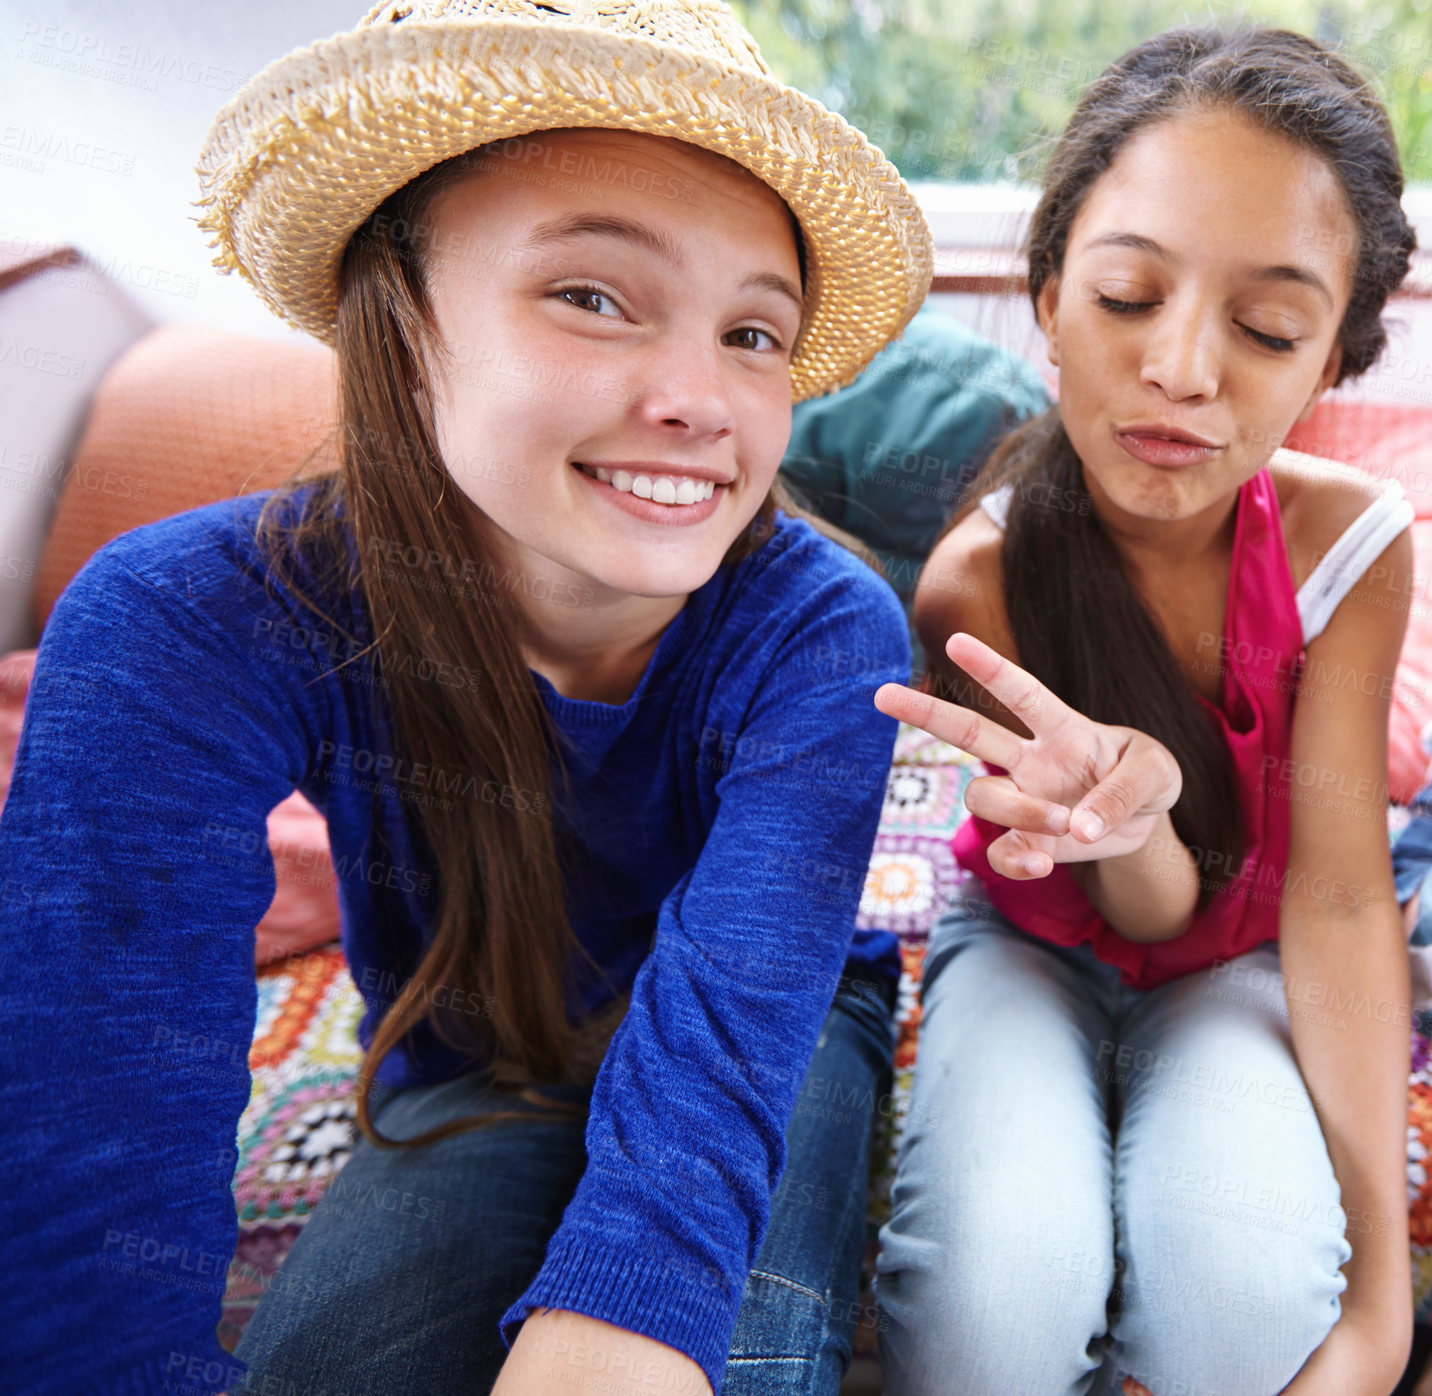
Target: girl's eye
x,y
747,337
589,298
1270,341
1123,307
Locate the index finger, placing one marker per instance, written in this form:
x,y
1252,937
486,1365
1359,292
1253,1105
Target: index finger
x,y
1028,699
960,727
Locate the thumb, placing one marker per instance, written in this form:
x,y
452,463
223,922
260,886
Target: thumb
x,y
1145,780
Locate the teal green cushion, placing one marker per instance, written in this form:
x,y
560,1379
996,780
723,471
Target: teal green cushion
x,y
888,457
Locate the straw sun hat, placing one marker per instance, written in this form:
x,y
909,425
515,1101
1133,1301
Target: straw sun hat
x,y
300,157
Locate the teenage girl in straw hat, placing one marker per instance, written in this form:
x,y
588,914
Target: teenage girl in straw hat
x,y
1172,1057
567,363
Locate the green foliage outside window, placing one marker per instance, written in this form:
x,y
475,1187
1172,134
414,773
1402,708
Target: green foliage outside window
x,y
966,89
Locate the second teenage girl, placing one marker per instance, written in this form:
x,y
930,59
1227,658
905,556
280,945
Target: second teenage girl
x,y
1167,1034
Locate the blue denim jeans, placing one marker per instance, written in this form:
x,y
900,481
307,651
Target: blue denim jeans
x,y
397,1282
1096,1181
1412,862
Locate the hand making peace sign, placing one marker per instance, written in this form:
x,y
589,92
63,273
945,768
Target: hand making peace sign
x,y
1068,784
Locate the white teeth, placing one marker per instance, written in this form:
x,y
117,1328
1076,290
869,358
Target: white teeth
x,y
661,489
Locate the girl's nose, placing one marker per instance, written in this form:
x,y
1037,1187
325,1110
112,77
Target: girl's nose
x,y
1181,355
685,390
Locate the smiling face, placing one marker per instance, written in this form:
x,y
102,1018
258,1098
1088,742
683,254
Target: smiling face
x,y
1196,314
619,312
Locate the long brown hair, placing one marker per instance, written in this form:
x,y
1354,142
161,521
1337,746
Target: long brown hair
x,y
501,934
1078,621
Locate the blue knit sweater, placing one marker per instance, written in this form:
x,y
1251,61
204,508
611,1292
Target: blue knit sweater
x,y
721,820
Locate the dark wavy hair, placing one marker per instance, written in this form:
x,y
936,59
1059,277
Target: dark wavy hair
x,y
1077,619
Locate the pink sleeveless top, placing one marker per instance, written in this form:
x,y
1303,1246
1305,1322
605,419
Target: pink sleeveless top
x,y
1262,657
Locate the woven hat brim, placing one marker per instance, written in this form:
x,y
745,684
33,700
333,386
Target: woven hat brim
x,y
304,153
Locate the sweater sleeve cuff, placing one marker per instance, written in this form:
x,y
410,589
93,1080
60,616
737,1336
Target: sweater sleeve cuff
x,y
688,1307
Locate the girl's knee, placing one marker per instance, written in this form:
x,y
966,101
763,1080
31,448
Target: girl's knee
x,y
1237,1322
973,1319
985,1359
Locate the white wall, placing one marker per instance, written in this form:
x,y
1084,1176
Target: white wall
x,y
104,105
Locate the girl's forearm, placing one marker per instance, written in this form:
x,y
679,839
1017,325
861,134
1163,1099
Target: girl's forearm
x,y
1148,895
1345,971
556,1348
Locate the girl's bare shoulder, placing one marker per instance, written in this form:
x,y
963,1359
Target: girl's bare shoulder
x,y
962,589
961,586
1318,500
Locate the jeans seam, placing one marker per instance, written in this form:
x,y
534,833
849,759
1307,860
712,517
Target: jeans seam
x,y
791,1284
857,1204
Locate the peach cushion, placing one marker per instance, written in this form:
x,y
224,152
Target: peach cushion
x,y
1388,440
185,417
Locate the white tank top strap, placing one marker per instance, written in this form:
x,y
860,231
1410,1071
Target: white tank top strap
x,y
1345,562
996,504
1336,573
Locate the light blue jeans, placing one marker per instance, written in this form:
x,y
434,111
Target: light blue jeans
x,y
1096,1181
